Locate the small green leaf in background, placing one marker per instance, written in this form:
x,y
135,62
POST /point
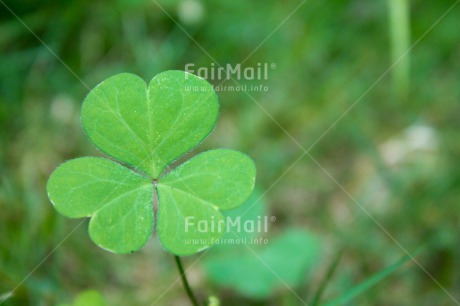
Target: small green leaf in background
x,y
254,209
88,298
213,301
285,259
147,127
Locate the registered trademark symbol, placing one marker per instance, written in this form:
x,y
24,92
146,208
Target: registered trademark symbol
x,y
273,66
272,219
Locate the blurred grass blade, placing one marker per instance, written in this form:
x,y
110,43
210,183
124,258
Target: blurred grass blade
x,y
330,272
368,283
399,26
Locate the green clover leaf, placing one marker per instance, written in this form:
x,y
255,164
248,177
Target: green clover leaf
x,y
147,128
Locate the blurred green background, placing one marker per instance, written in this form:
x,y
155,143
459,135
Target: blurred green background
x,y
395,153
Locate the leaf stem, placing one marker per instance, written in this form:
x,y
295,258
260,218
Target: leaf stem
x,y
189,291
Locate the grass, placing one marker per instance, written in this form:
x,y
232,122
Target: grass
x,y
327,55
